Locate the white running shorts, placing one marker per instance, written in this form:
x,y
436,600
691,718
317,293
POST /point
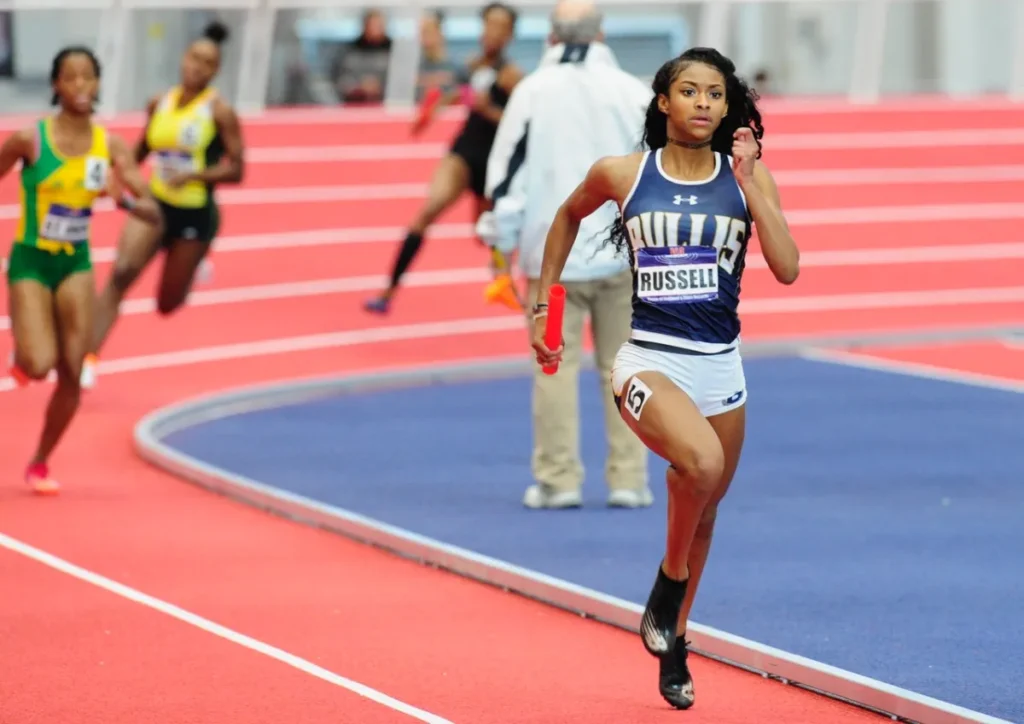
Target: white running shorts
x,y
715,383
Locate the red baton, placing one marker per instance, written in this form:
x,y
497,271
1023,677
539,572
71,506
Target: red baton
x,y
553,332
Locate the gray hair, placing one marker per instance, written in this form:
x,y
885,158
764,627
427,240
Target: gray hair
x,y
579,30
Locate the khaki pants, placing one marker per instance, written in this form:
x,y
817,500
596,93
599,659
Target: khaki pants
x,y
556,423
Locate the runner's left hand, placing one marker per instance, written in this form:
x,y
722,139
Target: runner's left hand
x,y
744,154
178,180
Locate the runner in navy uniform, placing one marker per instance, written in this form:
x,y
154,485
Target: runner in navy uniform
x,y
688,205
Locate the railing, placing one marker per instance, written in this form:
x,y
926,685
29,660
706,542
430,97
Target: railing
x,y
860,50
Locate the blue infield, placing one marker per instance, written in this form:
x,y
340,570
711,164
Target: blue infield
x,y
875,523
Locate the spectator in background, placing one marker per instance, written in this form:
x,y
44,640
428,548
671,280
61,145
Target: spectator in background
x,y
762,83
436,69
577,107
360,69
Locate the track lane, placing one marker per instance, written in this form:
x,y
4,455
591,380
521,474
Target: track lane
x,y
126,394
140,665
993,358
304,590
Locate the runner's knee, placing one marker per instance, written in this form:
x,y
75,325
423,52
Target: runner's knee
x,y
168,302
123,276
36,364
701,464
427,216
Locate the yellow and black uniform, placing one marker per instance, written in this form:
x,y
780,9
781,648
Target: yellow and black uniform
x,y
185,139
57,195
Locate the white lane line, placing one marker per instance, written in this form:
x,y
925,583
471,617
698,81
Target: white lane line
x,y
897,176
215,629
463,232
306,343
317,287
902,255
771,107
510,322
884,300
891,214
481,275
398,192
914,369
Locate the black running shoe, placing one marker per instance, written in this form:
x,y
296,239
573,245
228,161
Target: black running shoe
x,y
658,626
674,680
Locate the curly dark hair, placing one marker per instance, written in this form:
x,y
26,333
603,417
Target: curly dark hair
x,y
743,112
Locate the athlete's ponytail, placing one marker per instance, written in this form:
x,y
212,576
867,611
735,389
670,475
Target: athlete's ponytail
x,y
58,61
217,33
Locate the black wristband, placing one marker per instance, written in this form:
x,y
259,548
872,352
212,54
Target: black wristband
x,y
126,202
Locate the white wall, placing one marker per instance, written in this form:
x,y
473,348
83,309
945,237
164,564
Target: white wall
x,y
39,34
947,46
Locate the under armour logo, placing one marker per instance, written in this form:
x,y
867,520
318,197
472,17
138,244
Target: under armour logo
x,y
691,200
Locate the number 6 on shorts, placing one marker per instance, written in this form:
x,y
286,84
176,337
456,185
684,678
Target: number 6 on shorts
x,y
637,396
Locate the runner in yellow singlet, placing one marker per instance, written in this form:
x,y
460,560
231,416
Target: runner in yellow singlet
x,y
195,141
67,162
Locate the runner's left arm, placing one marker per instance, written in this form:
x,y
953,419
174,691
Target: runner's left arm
x,y
19,146
231,168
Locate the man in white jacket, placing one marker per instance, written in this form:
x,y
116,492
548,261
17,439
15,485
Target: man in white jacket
x,y
577,107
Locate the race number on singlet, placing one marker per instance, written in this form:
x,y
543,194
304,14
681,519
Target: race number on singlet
x,y
173,163
66,224
677,275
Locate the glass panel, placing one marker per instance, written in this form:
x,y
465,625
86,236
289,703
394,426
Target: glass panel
x,y
307,46
156,41
307,42
36,37
955,46
799,48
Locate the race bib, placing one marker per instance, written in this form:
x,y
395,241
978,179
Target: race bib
x,y
66,225
188,135
95,173
677,275
173,163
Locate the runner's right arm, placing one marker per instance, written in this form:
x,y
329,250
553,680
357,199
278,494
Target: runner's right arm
x,y
19,146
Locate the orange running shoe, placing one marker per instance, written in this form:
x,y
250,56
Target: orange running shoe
x,y
89,372
19,376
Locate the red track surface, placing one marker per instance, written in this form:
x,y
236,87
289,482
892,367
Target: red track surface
x,y
460,650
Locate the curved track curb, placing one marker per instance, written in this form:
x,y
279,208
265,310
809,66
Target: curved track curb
x,y
150,432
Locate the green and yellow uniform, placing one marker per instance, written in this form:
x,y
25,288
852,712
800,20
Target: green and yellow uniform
x,y
57,193
184,140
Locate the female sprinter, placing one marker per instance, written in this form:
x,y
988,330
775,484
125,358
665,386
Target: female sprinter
x,y
196,139
493,78
687,204
67,162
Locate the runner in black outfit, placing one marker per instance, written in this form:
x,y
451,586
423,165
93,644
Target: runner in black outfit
x,y
491,78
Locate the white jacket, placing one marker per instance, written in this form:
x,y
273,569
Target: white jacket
x,y
577,107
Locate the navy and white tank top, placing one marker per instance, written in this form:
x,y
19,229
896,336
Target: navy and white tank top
x,y
688,244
